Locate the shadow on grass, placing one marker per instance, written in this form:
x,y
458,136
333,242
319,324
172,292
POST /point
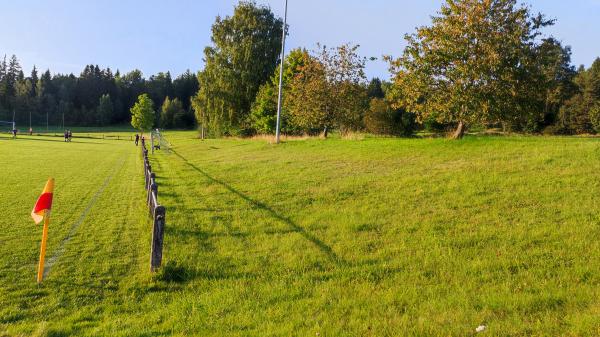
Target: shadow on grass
x,y
174,273
204,235
180,205
324,248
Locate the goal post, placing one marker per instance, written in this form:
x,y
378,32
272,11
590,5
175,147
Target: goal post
x,y
159,142
8,127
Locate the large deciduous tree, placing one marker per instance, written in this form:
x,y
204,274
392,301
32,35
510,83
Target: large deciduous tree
x,y
171,113
474,64
264,109
244,54
329,91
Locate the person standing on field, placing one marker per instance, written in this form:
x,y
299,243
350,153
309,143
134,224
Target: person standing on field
x,y
137,139
66,135
70,135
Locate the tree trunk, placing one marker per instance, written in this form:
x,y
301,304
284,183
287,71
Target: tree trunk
x,y
460,131
325,132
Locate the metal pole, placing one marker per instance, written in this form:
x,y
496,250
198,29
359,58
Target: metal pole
x,y
278,125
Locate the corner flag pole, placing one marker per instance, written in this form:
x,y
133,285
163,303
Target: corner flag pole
x,y
40,275
278,126
41,212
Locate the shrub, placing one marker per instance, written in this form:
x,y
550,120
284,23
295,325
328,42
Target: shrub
x,y
381,119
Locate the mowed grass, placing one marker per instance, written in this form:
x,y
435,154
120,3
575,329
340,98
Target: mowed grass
x,y
97,237
373,237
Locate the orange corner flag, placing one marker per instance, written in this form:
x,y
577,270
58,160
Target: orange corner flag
x,y
44,202
41,211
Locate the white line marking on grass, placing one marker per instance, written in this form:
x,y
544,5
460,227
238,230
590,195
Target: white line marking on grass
x,y
61,248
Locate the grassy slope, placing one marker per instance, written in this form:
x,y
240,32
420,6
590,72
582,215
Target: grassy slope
x,y
374,237
381,236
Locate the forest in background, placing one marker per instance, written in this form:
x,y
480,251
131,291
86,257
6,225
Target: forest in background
x,y
97,97
498,70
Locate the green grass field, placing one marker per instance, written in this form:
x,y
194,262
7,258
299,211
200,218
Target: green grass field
x,y
372,237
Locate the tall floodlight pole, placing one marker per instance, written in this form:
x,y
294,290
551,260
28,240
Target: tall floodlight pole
x,y
278,125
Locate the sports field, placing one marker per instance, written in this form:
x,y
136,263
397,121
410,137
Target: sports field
x,y
367,237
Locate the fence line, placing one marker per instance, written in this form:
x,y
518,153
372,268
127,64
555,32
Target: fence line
x,y
157,212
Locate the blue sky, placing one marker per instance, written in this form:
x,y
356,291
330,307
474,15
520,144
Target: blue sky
x,y
158,35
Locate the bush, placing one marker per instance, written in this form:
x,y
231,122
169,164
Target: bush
x,y
552,130
432,125
381,119
263,115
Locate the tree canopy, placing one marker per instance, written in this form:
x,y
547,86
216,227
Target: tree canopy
x,y
172,114
474,64
142,113
243,56
479,63
42,97
329,91
264,109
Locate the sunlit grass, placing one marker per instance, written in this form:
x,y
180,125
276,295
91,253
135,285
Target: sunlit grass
x,y
369,236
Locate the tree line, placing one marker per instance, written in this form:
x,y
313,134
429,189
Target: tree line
x,y
480,63
97,97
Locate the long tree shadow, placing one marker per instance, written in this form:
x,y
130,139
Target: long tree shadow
x,y
324,248
179,205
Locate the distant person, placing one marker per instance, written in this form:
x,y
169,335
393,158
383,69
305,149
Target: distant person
x,y
70,135
137,139
66,135
30,131
14,133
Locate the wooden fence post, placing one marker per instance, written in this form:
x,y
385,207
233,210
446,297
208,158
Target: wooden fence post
x,y
151,178
146,176
157,238
151,190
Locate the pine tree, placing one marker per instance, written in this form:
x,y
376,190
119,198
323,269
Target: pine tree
x,y
34,80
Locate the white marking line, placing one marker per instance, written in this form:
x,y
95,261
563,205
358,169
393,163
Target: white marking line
x,y
61,249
